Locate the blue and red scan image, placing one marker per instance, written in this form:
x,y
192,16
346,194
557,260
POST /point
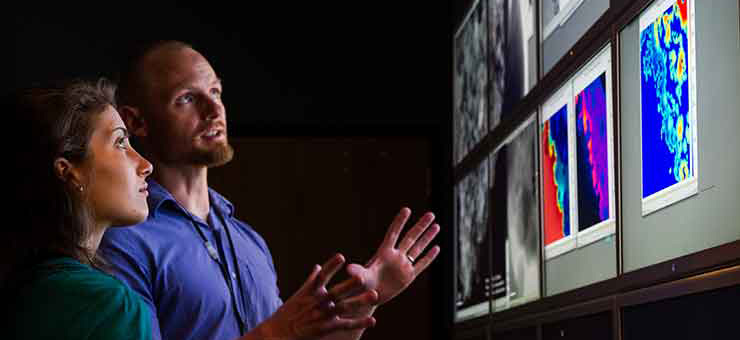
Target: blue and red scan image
x,y
666,127
555,176
592,154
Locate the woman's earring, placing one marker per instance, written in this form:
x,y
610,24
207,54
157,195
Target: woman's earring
x,y
81,188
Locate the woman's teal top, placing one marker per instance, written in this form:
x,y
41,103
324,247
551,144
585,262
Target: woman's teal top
x,y
65,299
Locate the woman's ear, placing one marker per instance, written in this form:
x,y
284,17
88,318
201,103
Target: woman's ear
x,y
67,172
134,120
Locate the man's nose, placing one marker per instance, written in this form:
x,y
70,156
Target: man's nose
x,y
211,109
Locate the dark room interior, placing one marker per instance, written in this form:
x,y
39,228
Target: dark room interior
x,y
340,114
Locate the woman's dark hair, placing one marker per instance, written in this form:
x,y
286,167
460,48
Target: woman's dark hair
x,y
49,122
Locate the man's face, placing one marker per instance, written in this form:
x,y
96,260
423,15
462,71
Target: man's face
x,y
185,116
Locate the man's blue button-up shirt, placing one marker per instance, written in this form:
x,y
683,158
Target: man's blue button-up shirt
x,y
165,260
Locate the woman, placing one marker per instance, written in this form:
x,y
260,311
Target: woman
x,y
74,175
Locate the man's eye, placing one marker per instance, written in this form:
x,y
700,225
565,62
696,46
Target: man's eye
x,y
184,99
216,93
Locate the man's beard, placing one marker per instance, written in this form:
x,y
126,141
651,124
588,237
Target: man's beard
x,y
213,157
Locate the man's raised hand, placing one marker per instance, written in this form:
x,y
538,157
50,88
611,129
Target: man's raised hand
x,y
396,264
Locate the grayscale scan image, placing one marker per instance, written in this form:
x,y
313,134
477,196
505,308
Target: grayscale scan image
x,y
522,217
470,77
473,240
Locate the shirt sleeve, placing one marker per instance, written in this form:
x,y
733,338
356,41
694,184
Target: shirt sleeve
x,y
123,257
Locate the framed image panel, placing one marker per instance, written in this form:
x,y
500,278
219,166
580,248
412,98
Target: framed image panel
x,y
594,150
668,118
470,81
555,149
473,288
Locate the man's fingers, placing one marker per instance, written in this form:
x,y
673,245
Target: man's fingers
x,y
357,323
328,270
347,287
311,278
414,233
424,262
320,321
424,241
391,237
338,323
369,298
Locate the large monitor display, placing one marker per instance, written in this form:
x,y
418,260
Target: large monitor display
x,y
667,207
668,104
474,279
470,81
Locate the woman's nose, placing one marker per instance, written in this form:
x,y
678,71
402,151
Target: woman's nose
x,y
145,167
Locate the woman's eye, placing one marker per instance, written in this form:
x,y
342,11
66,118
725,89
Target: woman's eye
x,y
216,93
122,142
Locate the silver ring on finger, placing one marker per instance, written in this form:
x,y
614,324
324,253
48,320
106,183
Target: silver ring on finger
x,y
411,259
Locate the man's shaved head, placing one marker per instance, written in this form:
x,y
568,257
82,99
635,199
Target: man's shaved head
x,y
136,78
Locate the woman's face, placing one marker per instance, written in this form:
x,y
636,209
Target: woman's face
x,y
114,173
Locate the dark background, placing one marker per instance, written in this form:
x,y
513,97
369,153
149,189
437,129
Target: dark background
x,y
285,63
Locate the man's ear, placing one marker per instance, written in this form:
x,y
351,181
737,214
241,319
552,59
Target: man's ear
x,y
134,120
67,172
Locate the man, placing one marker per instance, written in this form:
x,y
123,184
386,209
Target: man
x,y
205,274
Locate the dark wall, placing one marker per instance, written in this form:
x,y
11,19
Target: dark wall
x,y
312,197
289,62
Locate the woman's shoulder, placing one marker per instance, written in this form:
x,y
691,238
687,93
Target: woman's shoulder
x,y
78,299
70,283
70,279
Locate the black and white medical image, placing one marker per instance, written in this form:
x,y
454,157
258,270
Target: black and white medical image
x,y
473,240
515,260
512,55
522,217
499,230
469,84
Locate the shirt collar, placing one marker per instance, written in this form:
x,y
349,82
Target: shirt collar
x,y
158,195
221,203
